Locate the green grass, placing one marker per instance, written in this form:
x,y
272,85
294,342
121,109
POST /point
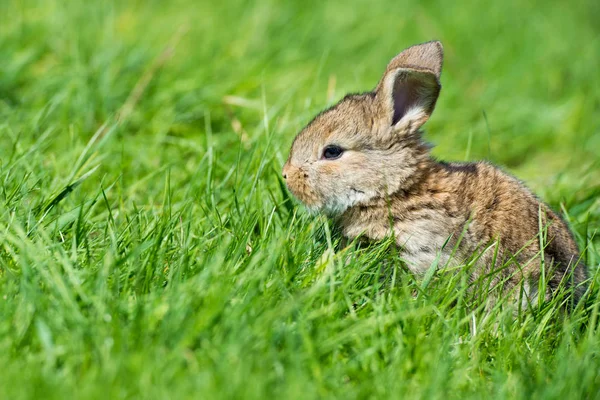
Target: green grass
x,y
156,255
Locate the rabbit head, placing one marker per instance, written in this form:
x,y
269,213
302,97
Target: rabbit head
x,y
368,146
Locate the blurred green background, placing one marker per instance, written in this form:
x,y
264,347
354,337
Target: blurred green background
x,y
529,67
156,254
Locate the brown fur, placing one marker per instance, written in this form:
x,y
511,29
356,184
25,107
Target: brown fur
x,y
387,183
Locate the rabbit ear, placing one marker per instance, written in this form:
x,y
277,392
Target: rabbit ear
x,y
410,85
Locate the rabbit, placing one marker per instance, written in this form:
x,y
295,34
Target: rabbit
x,y
364,163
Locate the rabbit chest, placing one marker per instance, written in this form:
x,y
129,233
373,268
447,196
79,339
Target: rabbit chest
x,y
424,236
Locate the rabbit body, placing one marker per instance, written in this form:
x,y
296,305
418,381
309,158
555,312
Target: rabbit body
x,y
461,210
364,162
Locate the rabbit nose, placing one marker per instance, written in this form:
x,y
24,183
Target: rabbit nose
x,y
285,171
292,172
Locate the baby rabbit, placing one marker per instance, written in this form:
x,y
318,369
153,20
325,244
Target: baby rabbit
x,y
364,163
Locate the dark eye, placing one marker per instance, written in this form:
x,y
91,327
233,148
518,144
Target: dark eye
x,y
332,152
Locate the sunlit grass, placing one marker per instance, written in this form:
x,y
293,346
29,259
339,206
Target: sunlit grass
x,y
150,250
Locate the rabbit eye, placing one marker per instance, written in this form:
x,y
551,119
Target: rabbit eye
x,y
332,152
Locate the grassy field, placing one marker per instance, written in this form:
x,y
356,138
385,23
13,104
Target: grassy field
x,y
149,250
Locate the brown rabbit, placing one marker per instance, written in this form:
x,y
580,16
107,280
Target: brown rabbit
x,y
364,163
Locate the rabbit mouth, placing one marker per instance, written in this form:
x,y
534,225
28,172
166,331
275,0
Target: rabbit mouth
x,y
303,193
331,204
